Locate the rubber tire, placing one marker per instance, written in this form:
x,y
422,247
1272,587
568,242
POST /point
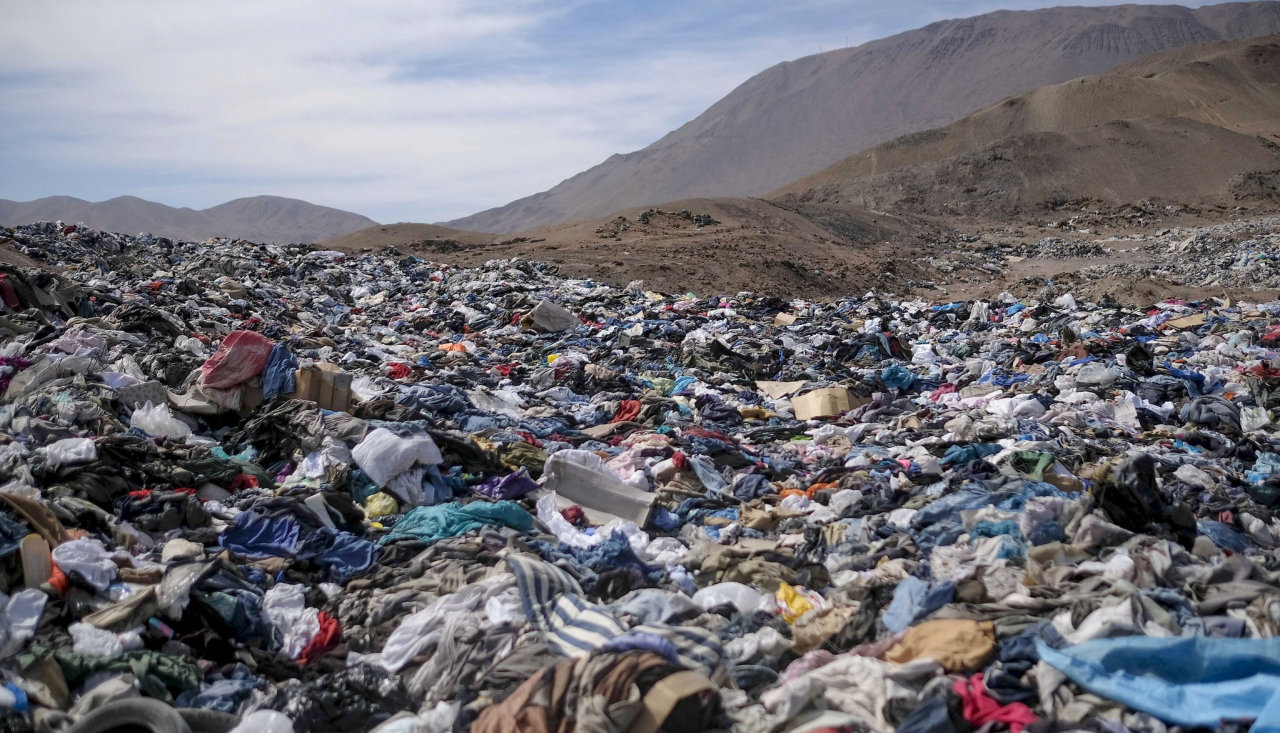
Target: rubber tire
x,y
134,715
208,721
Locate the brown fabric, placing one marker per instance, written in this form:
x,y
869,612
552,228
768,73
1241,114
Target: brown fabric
x,y
42,519
535,707
816,632
956,644
663,697
555,698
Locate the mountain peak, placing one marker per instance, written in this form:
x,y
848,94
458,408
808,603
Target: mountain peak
x,y
798,117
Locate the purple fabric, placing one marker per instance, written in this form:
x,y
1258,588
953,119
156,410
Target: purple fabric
x,y
18,364
511,486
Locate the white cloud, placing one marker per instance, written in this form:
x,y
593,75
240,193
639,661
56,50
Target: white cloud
x,y
399,108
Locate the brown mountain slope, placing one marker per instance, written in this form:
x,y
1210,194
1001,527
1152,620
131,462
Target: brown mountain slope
x,y
257,218
799,116
1183,125
747,244
376,237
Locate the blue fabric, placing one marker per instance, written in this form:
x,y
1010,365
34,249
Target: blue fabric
x,y
752,486
682,383
640,640
278,376
972,452
1193,681
432,523
340,554
707,474
1223,536
896,376
257,537
511,486
913,600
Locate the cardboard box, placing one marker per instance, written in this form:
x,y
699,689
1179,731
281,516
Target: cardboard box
x,y
825,403
326,385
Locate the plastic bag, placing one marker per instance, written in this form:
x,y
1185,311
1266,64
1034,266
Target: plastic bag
x,y
71,450
242,356
795,602
89,559
264,721
1254,418
745,598
383,455
95,642
158,421
380,505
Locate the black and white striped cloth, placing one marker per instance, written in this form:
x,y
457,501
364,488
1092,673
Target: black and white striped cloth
x,y
575,627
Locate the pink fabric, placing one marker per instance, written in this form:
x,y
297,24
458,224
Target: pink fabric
x,y
241,357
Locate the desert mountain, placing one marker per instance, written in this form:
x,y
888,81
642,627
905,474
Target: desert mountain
x,y
1198,124
258,218
797,117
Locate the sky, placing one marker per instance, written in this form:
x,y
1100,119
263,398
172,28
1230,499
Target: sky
x,y
401,110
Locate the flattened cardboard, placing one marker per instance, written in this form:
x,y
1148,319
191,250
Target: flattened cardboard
x,y
1187,321
777,390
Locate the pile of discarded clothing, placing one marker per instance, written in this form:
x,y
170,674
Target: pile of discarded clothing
x,y
276,488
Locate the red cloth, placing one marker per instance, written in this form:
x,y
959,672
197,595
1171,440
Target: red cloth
x,y
241,357
946,389
328,637
627,410
399,370
681,461
243,481
575,515
980,709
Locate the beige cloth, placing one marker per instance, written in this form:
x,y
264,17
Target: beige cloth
x,y
957,644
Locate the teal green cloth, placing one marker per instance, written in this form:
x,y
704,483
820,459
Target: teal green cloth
x,y
431,523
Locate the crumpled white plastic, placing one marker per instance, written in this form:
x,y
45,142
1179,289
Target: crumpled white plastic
x,y
89,558
383,455
70,451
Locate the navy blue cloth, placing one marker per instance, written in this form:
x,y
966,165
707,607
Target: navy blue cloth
x,y
511,486
340,554
278,376
751,486
257,537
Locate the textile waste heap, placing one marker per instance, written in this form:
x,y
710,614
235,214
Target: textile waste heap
x,y
271,488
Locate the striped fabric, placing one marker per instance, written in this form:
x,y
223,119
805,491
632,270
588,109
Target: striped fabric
x,y
575,627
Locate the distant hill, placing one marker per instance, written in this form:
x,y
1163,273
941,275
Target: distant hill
x,y
382,235
798,117
1198,124
258,218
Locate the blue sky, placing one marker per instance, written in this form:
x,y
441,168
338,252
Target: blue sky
x,y
402,110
